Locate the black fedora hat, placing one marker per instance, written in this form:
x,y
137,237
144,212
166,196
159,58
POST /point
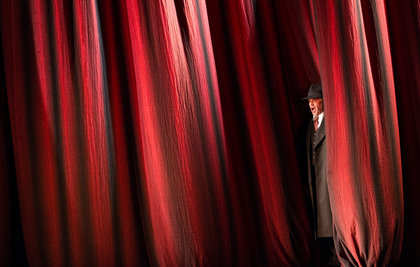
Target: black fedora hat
x,y
315,91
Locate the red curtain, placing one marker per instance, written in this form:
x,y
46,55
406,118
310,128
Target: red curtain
x,y
364,164
171,132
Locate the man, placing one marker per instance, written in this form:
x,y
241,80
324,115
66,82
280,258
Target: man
x,y
318,188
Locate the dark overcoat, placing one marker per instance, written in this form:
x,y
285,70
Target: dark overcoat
x,y
317,174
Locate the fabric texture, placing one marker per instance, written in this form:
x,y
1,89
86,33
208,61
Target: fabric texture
x,y
172,132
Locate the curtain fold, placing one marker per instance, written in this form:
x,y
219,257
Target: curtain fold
x,y
364,165
6,168
404,29
171,132
176,108
257,77
302,20
58,106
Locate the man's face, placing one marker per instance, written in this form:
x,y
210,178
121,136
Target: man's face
x,y
316,106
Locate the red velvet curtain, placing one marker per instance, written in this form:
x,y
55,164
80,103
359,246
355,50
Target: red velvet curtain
x,y
171,132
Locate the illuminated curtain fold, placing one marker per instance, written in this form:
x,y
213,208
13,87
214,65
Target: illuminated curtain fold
x,y
60,122
364,165
171,132
87,132
254,93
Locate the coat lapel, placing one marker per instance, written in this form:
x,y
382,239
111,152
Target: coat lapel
x,y
320,133
308,136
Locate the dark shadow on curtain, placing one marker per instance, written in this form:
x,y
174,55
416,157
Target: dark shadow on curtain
x,y
12,246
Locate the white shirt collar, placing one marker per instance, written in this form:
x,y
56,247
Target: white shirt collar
x,y
320,118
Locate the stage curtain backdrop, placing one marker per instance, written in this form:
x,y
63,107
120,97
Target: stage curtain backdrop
x,y
171,132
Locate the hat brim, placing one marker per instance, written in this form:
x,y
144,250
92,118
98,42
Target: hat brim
x,y
311,97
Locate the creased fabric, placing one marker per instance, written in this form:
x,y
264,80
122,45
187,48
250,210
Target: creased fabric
x,y
364,165
172,132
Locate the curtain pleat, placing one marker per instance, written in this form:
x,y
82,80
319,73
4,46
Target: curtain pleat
x,y
364,166
178,138
172,132
261,96
6,167
404,29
